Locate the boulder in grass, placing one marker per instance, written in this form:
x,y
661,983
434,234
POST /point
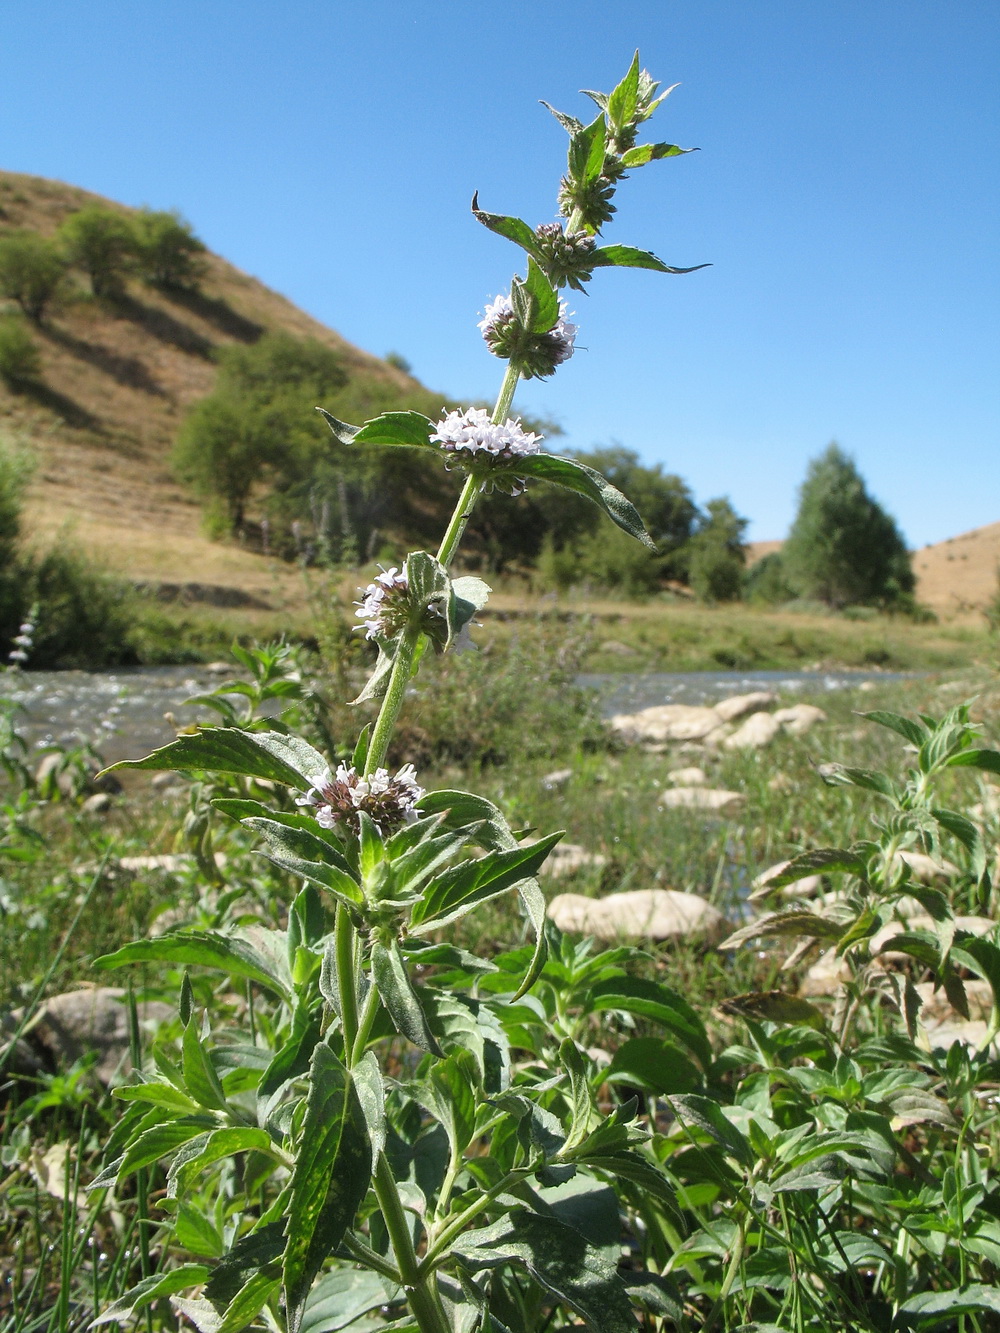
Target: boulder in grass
x,y
667,722
757,731
95,1020
566,858
643,914
742,705
825,977
688,777
709,799
797,720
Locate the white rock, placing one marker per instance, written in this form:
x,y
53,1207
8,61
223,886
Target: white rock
x,y
741,705
936,1007
701,798
219,668
552,781
825,977
98,804
657,914
717,735
168,863
566,858
70,1025
687,777
757,731
798,719
164,780
666,722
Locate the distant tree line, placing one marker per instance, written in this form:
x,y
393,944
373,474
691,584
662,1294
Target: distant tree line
x,y
269,472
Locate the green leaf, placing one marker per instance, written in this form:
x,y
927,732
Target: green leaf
x,y
197,1233
544,300
774,1006
822,860
450,1094
652,152
401,428
342,1296
910,730
513,228
330,1179
989,760
462,809
199,1154
311,858
587,150
574,476
200,1078
248,1302
627,256
559,1258
257,1252
151,1289
158,1141
392,980
341,430
623,100
569,123
229,953
794,921
652,1064
650,999
708,1116
156,1093
255,754
934,1309
458,889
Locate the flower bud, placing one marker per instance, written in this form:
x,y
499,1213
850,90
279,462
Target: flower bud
x,y
565,259
591,198
536,355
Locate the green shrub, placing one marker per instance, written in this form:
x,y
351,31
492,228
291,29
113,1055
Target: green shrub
x,y
601,562
843,547
169,253
85,615
32,270
102,242
20,361
717,555
765,581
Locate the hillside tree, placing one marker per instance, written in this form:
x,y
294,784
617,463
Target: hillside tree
x,y
31,272
844,548
102,242
717,554
169,254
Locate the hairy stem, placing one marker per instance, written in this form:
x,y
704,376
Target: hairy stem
x,y
346,978
421,1290
393,701
456,526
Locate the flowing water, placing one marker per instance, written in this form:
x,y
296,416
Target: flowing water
x,y
122,712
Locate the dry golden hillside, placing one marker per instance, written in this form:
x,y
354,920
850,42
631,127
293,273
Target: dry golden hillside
x,y
117,379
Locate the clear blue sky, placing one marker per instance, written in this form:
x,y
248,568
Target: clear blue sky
x,y
846,194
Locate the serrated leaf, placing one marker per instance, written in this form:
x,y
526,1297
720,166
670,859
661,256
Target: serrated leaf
x,y
304,854
708,1116
256,754
559,1258
513,228
773,1006
572,475
190,948
569,123
627,256
911,730
341,430
934,1309
330,1178
794,921
410,429
196,1232
988,760
587,150
624,97
397,992
151,1289
461,887
544,299
652,1064
652,152
215,1146
821,861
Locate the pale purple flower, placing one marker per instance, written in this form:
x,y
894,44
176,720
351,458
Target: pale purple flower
x,y
389,802
472,431
555,346
376,607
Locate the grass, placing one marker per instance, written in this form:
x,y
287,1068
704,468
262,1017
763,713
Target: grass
x,y
64,1258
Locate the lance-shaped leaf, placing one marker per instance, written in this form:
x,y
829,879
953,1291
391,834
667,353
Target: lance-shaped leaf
x,y
330,1179
989,760
151,1289
396,990
622,101
575,476
569,123
822,860
254,754
456,890
560,1259
627,256
462,809
587,150
535,300
233,953
793,922
907,727
773,1006
302,853
652,152
411,429
650,999
513,228
342,1296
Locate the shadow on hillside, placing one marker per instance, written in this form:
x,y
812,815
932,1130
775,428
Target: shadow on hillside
x,y
127,370
215,311
162,325
71,412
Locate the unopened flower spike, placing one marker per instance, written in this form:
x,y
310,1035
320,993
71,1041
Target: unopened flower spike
x,y
389,802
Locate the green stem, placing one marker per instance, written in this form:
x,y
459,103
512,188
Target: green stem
x,y
456,526
506,395
421,1290
364,1026
734,1267
393,701
347,984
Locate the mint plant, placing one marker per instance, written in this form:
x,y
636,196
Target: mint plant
x,y
371,1138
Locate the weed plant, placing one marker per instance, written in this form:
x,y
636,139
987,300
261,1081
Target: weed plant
x,y
363,1116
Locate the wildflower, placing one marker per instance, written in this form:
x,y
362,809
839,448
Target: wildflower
x,y
535,354
388,801
384,607
18,655
566,257
473,432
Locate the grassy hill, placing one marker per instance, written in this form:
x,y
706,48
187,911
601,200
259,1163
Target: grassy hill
x,y
117,378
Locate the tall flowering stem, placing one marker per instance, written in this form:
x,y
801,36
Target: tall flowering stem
x,y
402,669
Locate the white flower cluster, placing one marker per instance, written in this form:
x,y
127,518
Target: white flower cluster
x,y
473,431
388,801
372,608
23,642
559,340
